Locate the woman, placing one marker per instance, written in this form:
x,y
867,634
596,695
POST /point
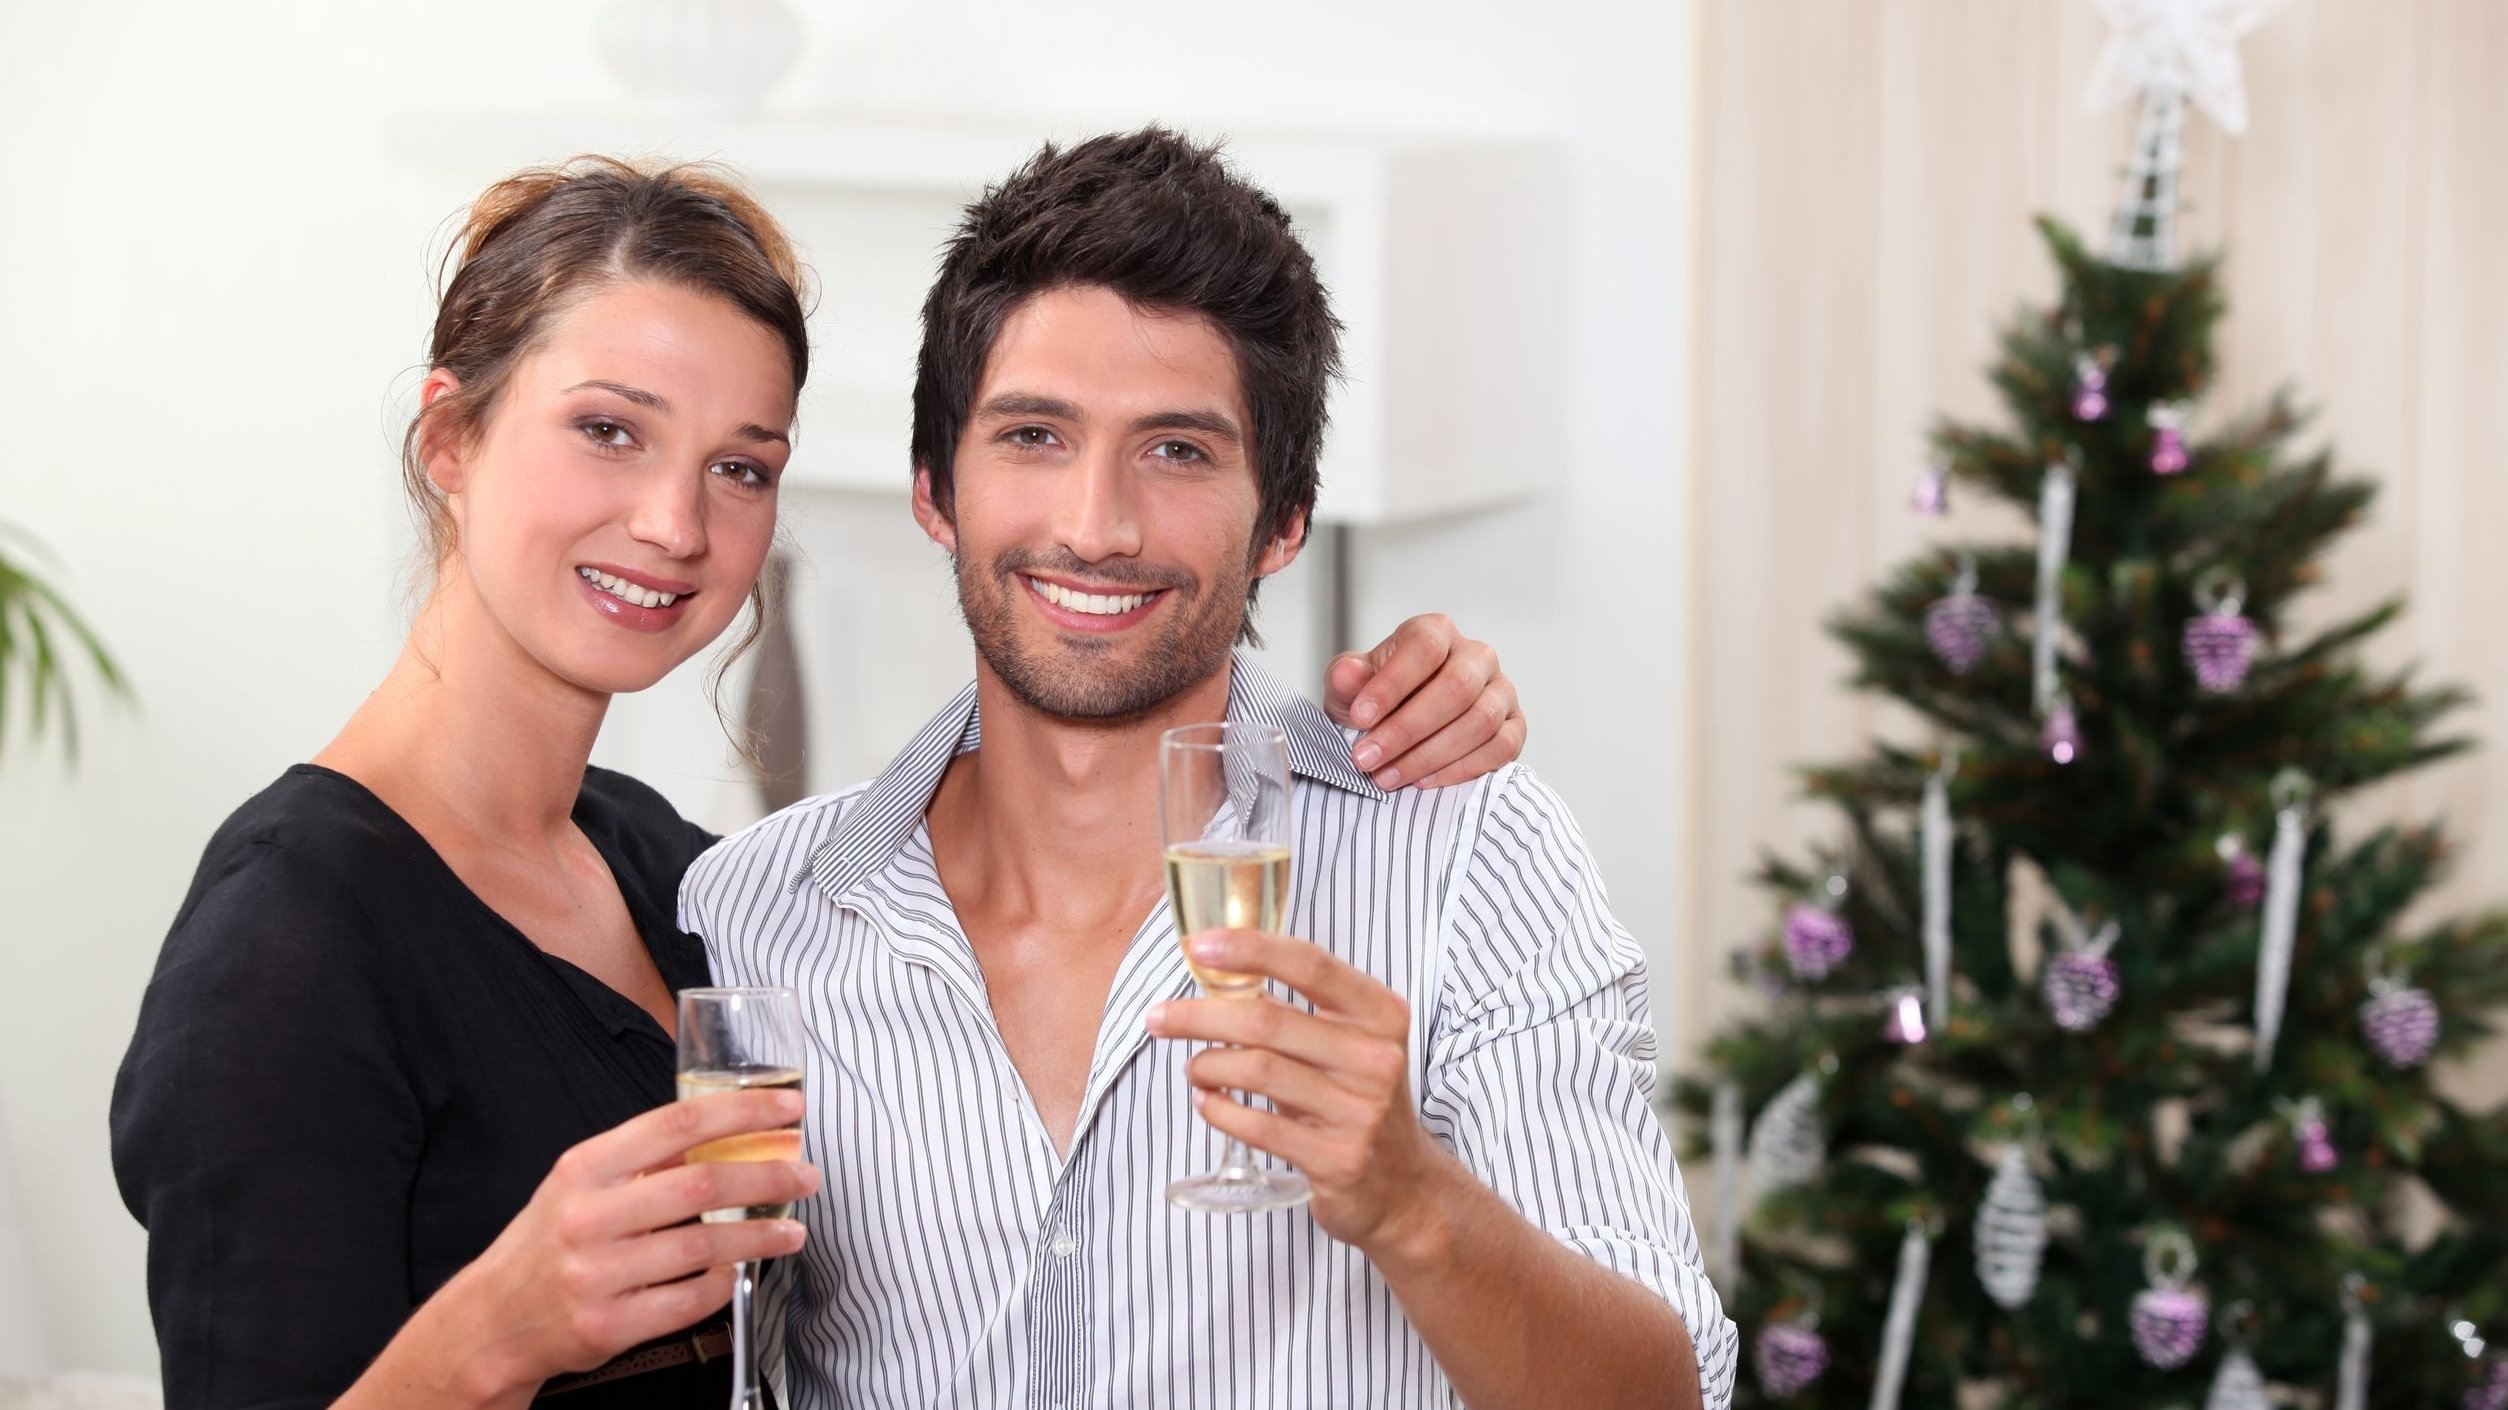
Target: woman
x,y
397,1115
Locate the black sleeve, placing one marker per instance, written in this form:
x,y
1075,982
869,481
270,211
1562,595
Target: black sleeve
x,y
266,1133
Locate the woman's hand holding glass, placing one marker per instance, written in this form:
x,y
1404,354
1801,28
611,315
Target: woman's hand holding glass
x,y
610,1253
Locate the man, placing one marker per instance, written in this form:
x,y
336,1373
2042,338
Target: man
x,y
1117,415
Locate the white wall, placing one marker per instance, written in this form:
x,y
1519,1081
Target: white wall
x,y
212,288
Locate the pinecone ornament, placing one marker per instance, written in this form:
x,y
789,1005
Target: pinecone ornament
x,y
2011,1231
1959,626
1816,940
1788,1357
2080,988
2220,646
2169,1319
2400,1023
2168,1325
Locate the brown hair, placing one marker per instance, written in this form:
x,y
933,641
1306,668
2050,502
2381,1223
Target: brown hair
x,y
537,242
1162,221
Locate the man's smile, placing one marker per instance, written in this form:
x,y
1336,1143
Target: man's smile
x,y
1077,608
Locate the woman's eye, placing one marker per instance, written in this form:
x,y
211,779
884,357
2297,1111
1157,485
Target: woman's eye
x,y
608,433
744,473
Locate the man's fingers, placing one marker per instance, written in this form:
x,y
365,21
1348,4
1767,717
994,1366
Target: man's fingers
x,y
1331,985
660,1137
1270,1132
1416,651
1293,1086
1480,723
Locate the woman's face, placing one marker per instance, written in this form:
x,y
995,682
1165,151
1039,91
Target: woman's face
x,y
614,511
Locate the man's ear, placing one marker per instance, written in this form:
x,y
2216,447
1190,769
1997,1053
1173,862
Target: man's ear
x,y
439,448
937,526
1283,550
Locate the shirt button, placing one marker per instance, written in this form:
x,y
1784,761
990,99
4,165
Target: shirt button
x,y
1064,1245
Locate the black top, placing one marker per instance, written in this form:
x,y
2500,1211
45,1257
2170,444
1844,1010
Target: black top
x,y
350,1074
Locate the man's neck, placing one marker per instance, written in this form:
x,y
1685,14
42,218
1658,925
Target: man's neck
x,y
1057,819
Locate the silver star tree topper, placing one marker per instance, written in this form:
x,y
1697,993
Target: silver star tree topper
x,y
2165,52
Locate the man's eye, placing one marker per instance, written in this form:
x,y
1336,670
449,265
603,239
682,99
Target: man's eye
x,y
1031,436
1184,451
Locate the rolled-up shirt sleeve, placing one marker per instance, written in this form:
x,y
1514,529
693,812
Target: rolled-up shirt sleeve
x,y
1540,1064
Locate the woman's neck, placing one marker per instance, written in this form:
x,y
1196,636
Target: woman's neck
x,y
468,732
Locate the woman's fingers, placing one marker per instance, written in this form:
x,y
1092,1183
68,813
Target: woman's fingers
x,y
661,1137
677,1195
669,1255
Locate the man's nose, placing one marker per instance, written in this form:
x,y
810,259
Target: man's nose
x,y
1100,510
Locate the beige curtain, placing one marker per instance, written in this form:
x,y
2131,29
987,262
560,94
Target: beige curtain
x,y
1868,168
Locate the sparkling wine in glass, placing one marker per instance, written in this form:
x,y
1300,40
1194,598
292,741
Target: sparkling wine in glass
x,y
731,1039
1223,816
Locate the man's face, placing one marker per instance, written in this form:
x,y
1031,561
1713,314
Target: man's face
x,y
1105,504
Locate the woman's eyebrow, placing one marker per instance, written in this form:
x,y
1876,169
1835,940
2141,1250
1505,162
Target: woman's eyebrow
x,y
650,400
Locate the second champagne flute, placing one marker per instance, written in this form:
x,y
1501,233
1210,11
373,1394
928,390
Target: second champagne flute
x,y
730,1040
1223,821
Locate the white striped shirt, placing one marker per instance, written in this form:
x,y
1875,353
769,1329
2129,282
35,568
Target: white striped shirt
x,y
955,1258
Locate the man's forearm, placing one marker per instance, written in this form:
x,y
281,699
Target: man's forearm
x,y
1515,1318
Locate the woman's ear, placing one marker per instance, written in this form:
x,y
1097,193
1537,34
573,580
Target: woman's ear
x,y
937,526
439,447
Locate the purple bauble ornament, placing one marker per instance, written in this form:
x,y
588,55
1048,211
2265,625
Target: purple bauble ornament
x,y
2401,1024
1932,496
2080,987
1958,628
2244,884
2489,1390
2168,1325
2220,645
2168,439
1905,1022
1815,940
1788,1356
2307,1131
2089,388
2062,735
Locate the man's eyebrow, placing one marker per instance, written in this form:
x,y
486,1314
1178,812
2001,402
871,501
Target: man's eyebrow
x,y
1209,423
638,395
1029,404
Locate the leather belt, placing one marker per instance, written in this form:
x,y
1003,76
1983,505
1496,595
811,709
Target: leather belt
x,y
697,1345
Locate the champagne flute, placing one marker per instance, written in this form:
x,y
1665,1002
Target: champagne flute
x,y
730,1040
1223,822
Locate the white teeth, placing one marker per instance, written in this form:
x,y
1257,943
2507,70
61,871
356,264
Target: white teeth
x,y
626,591
1095,604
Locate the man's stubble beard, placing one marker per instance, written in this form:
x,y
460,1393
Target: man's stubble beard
x,y
1087,678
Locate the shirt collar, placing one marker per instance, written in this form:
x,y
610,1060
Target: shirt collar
x,y
892,807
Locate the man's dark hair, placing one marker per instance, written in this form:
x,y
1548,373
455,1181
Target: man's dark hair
x,y
1160,220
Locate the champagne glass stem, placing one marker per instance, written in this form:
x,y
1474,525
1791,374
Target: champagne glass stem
x,y
744,1355
1236,1163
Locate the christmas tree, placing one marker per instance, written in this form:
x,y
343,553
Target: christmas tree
x,y
2096,1070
